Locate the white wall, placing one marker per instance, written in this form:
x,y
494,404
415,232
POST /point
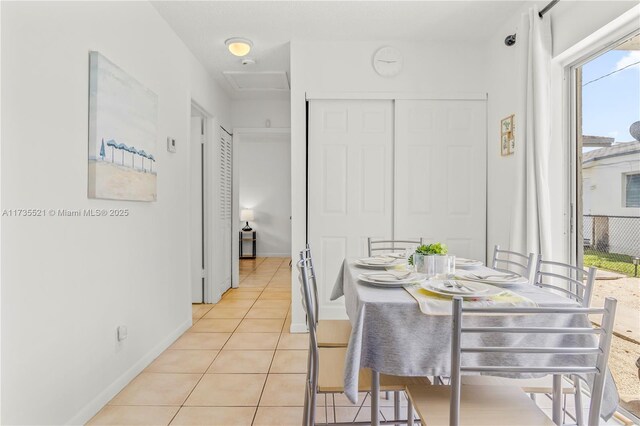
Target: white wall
x,y
255,113
263,162
317,67
605,194
67,283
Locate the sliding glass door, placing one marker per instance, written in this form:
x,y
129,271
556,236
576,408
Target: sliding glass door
x,y
607,117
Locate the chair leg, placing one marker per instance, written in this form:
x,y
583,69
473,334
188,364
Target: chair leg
x,y
396,406
386,395
578,401
306,419
409,413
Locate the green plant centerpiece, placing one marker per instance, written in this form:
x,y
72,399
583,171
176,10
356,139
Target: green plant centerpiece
x,y
429,249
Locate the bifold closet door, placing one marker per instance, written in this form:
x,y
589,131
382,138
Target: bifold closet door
x,y
440,173
350,166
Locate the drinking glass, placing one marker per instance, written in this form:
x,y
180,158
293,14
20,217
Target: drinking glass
x,y
445,266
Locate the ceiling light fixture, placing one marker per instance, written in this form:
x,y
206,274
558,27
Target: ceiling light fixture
x,y
239,46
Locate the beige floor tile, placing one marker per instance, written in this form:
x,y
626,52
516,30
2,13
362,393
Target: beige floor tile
x,y
215,416
242,295
133,415
182,361
227,390
252,285
260,326
283,390
267,313
197,310
219,312
286,290
248,290
278,416
253,341
289,361
201,341
220,325
293,341
242,362
271,304
157,389
275,295
224,303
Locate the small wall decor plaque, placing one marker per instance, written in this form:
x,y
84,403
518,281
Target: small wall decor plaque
x,y
507,136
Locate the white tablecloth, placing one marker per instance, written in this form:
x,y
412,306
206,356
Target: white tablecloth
x,y
391,335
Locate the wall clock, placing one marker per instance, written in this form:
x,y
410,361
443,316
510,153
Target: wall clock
x,y
387,61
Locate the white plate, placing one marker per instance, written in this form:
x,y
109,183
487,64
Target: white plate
x,y
363,263
413,279
463,263
494,278
478,289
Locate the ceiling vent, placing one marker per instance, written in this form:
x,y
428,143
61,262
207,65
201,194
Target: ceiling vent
x,y
265,80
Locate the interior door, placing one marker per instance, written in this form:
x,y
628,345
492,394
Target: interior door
x,y
225,210
440,173
197,212
350,166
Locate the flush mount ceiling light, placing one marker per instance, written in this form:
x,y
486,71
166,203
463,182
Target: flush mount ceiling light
x,y
239,46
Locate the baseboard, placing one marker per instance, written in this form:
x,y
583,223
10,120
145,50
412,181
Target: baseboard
x,y
299,327
92,408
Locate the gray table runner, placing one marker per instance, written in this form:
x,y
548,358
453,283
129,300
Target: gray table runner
x,y
391,335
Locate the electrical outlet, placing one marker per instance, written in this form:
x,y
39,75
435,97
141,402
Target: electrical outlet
x,y
122,333
171,144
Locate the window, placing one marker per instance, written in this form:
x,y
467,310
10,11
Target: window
x,y
632,190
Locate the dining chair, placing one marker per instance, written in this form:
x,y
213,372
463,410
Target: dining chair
x,y
325,365
551,275
331,333
513,262
508,405
382,245
571,281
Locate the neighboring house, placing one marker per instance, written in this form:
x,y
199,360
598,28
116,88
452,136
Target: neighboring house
x,y
611,189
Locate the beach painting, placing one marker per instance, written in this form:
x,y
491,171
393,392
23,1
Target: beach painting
x,y
123,116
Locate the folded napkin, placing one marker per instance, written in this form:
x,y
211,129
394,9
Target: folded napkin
x,y
391,276
435,304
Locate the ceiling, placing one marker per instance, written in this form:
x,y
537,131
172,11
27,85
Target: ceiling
x,y
271,25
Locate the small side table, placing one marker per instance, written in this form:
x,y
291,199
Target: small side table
x,y
246,236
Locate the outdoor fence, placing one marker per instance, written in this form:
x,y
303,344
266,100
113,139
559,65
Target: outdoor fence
x,y
612,242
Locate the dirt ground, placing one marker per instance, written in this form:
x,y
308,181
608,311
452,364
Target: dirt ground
x,y
624,352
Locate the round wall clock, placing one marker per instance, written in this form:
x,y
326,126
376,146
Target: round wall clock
x,y
387,61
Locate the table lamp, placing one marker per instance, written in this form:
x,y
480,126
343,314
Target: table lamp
x,y
246,215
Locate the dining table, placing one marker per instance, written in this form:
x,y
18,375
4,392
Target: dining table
x,y
392,335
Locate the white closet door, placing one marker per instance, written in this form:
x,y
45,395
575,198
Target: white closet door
x,y
350,185
225,212
440,173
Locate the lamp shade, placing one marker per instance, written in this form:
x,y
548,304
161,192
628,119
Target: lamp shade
x,y
246,215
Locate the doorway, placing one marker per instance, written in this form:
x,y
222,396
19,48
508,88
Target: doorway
x,y
607,196
198,202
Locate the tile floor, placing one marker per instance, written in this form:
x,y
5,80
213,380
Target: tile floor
x,y
237,365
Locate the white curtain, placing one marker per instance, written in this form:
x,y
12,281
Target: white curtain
x,y
531,221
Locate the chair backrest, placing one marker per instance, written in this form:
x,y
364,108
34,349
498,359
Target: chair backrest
x,y
313,282
511,261
508,362
571,281
375,245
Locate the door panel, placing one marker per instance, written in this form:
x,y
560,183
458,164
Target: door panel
x,y
197,252
440,173
350,184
